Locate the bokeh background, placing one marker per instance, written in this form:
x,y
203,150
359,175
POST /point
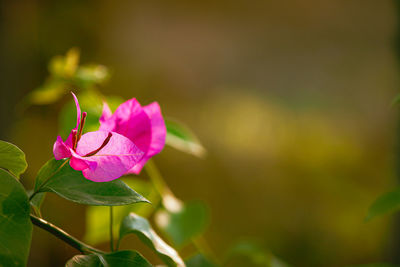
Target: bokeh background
x,y
292,100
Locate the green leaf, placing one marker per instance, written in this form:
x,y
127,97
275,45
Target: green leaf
x,y
125,258
180,137
199,260
12,158
51,91
97,227
255,254
185,223
65,66
58,177
387,202
15,224
134,224
90,74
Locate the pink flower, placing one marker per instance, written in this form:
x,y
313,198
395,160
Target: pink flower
x,y
102,156
142,125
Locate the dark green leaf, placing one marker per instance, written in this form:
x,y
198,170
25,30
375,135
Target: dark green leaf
x,y
12,158
199,260
58,177
15,224
387,202
123,258
97,228
180,137
134,224
185,223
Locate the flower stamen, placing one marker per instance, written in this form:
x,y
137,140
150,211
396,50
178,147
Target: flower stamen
x,y
105,142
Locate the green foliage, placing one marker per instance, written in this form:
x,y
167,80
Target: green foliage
x,y
58,177
66,73
12,158
180,137
134,224
184,223
199,260
125,258
15,224
97,228
387,202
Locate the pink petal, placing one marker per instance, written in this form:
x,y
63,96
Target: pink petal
x,y
60,149
131,121
158,129
106,113
78,111
158,135
112,161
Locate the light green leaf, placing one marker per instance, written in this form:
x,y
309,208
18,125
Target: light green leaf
x,y
388,202
125,258
97,227
199,260
12,158
134,224
90,74
51,91
58,177
15,224
180,137
185,223
65,66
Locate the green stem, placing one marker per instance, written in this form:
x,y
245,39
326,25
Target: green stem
x,y
45,181
64,236
111,230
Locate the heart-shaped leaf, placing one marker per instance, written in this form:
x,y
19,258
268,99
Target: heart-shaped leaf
x,y
185,223
15,224
12,158
181,138
58,177
126,258
134,224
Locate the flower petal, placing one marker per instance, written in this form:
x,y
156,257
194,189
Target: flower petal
x,y
69,142
106,113
112,161
60,149
158,129
158,135
131,121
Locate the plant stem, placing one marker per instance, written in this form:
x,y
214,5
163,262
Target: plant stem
x,y
111,230
64,236
45,181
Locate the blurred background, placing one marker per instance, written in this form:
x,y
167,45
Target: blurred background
x,y
292,101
